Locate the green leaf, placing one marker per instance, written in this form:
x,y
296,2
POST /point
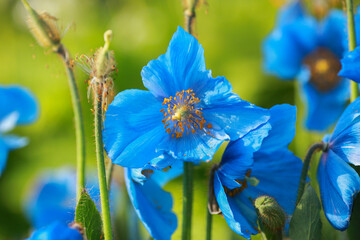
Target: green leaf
x,y
306,223
88,217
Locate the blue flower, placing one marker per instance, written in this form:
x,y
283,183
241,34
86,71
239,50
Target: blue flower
x,y
53,198
17,106
152,204
186,114
350,65
56,231
339,183
255,165
310,50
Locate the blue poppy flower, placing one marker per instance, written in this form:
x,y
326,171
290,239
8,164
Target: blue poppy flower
x,y
255,165
339,183
56,231
17,106
350,65
186,114
152,204
310,50
53,198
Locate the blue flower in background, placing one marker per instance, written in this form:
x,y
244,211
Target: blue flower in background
x,y
56,231
186,114
53,198
255,165
310,50
152,204
350,65
17,106
339,183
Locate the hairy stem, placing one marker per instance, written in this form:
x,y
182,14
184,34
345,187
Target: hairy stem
x,y
188,182
79,122
104,194
304,172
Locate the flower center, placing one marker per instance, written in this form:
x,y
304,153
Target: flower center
x,y
324,68
184,115
253,181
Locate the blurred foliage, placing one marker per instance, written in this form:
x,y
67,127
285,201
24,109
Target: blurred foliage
x,y
231,33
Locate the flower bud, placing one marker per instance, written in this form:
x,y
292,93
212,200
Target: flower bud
x,y
43,27
270,214
104,59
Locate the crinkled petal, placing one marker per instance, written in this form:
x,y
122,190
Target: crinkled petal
x,y
323,108
232,118
153,206
237,159
133,128
279,175
282,121
56,231
285,48
332,31
339,185
238,211
20,100
182,67
350,65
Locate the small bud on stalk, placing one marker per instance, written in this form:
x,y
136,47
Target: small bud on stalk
x,y
271,216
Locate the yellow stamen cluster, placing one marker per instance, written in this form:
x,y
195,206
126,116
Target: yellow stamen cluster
x,y
183,115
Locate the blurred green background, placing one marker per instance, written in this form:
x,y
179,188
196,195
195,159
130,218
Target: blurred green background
x,y
230,31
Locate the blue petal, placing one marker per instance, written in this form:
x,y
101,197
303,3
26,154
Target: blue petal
x,y
153,206
20,100
53,199
14,142
133,128
290,12
339,185
282,121
238,211
231,117
351,65
332,32
182,67
56,231
3,155
237,159
164,176
323,108
285,48
279,175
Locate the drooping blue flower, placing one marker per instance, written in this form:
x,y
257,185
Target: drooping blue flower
x,y
17,106
56,231
255,165
339,183
152,204
309,50
53,198
186,114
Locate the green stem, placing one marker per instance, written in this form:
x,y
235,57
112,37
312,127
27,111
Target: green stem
x,y
187,199
79,122
208,224
352,43
190,14
109,172
304,172
104,194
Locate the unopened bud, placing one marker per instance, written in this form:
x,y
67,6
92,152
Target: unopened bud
x,y
104,59
270,214
43,27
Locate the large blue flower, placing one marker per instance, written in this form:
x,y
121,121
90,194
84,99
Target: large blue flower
x,y
310,50
17,106
258,164
186,114
56,231
339,182
152,204
53,198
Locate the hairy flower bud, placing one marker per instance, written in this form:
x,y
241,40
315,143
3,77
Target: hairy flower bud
x,y
271,215
43,27
104,60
